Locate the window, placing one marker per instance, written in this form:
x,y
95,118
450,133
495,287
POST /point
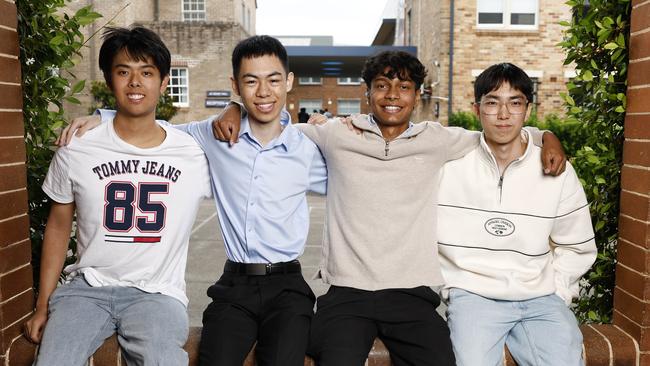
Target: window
x,y
178,86
349,81
535,100
348,106
193,10
518,14
309,80
311,105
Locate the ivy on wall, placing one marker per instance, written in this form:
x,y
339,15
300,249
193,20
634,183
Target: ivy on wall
x,y
50,42
596,42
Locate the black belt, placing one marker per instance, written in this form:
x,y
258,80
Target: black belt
x,y
262,269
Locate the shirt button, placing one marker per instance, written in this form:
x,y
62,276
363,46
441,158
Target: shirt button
x,y
257,176
252,203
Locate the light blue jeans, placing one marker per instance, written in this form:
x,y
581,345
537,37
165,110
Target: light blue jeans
x,y
151,328
541,331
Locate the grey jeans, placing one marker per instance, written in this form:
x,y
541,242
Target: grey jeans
x,y
151,328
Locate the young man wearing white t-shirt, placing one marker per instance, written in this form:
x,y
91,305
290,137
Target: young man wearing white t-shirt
x,y
135,187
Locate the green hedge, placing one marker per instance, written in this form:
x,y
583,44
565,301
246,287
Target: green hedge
x,y
103,98
571,133
596,42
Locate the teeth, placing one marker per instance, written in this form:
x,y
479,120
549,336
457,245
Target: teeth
x,y
392,108
135,96
265,107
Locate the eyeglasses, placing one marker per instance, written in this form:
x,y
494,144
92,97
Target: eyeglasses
x,y
514,106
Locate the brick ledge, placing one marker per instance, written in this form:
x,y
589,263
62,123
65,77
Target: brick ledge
x,y
604,345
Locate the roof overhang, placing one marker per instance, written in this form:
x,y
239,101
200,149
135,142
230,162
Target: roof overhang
x,y
335,61
386,33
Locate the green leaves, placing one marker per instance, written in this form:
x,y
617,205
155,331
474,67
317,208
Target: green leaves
x,y
50,40
596,43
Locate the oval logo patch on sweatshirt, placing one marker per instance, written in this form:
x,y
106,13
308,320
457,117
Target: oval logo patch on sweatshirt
x,y
499,226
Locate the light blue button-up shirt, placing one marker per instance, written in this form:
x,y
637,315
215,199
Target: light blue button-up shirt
x,y
260,191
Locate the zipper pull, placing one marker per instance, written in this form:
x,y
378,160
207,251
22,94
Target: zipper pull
x,y
386,148
501,182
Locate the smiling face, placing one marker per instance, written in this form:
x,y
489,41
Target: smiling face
x,y
504,127
137,86
263,84
392,100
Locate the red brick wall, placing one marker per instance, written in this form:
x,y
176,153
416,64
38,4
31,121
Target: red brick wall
x,y
328,90
16,295
632,293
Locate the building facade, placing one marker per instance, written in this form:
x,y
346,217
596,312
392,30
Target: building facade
x,y
471,35
200,35
340,96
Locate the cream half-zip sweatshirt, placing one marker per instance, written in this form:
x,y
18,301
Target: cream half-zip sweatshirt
x,y
380,229
516,235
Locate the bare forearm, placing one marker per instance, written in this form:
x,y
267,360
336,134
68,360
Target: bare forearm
x,y
55,247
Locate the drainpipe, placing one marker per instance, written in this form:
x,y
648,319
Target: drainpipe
x,y
451,59
156,10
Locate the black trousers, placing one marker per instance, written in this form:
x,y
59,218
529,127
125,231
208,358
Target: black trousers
x,y
275,310
348,320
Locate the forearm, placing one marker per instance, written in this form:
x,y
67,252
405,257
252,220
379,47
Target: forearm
x,y
55,248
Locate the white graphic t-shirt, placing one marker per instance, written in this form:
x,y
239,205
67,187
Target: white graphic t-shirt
x,y
135,207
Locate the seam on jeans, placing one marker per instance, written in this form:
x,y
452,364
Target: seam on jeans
x,y
609,345
91,359
531,344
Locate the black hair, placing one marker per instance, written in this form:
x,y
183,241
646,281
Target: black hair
x,y
139,43
257,46
494,76
393,64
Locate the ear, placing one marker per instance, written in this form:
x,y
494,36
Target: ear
x,y
529,110
289,81
234,85
477,109
417,98
367,94
163,84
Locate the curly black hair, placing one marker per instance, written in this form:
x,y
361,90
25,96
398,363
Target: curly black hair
x,y
393,64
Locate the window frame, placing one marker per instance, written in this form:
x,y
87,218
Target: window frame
x,y
310,109
188,15
349,81
302,81
505,24
338,105
186,87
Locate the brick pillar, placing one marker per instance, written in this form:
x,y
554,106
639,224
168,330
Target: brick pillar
x,y
632,293
16,295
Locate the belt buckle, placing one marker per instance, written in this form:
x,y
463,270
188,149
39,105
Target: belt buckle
x,y
258,269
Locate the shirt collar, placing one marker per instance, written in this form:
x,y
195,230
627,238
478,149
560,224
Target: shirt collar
x,y
286,137
407,133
